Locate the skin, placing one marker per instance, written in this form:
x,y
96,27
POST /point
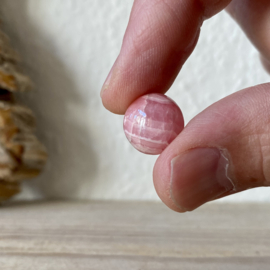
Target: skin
x,y
160,36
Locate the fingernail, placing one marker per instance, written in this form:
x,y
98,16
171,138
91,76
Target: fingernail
x,y
199,176
106,83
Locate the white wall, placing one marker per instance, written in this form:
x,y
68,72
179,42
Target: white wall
x,y
68,47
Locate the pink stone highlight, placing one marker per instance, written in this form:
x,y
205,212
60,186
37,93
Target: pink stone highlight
x,y
152,122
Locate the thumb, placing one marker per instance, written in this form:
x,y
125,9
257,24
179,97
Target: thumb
x,y
223,150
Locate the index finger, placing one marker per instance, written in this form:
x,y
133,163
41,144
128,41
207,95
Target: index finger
x,y
160,36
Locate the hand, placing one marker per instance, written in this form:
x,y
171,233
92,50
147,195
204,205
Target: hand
x,y
226,148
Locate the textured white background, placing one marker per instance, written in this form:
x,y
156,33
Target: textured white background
x,y
68,47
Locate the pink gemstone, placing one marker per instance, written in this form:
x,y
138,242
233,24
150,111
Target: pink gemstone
x,y
152,122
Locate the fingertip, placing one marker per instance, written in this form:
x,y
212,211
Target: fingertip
x,y
112,98
217,154
153,51
113,107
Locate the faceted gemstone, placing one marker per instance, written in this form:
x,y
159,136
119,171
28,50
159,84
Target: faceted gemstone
x,y
152,122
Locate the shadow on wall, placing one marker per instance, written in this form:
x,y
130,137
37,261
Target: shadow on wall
x,y
71,158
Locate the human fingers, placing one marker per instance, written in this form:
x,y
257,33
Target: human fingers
x,y
225,149
160,36
253,16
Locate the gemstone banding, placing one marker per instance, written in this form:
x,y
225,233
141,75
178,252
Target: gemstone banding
x,y
152,122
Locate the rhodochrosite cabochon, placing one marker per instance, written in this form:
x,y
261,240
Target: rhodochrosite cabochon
x,y
152,122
